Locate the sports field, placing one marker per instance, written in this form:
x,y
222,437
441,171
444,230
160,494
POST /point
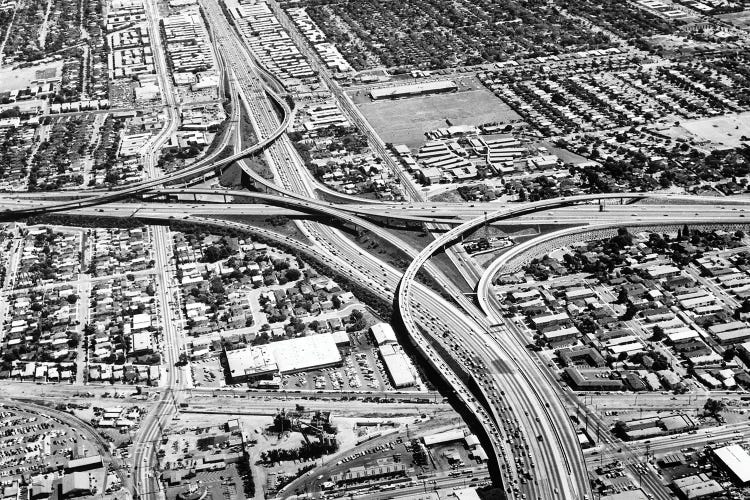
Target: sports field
x,y
404,121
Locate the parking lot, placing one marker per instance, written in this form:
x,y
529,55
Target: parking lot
x,y
207,372
34,442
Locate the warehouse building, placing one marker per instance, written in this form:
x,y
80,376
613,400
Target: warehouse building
x,y
736,460
398,365
697,486
286,356
444,437
413,90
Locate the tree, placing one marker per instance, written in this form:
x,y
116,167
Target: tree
x,y
72,298
658,334
619,429
73,340
183,360
729,354
292,274
216,285
714,406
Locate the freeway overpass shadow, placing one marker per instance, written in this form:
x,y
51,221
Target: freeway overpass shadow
x,y
433,377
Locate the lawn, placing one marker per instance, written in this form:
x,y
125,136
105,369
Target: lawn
x,y
404,121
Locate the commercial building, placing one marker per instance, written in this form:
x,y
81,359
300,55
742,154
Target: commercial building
x,y
78,484
465,494
547,320
141,343
383,333
251,362
736,460
578,382
287,356
398,365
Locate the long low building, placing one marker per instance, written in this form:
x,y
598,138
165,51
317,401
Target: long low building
x,y
286,356
733,336
444,437
413,90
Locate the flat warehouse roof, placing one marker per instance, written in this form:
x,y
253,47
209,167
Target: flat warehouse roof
x,y
444,437
736,459
305,352
285,356
398,366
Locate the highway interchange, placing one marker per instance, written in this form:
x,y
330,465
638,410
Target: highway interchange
x,y
515,401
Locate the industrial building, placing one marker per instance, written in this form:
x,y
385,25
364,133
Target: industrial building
x,y
444,437
396,362
697,486
286,356
736,460
413,90
398,365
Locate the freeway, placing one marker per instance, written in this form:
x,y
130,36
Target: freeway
x,y
570,475
349,262
206,165
292,174
487,300
489,304
213,201
490,355
459,330
508,369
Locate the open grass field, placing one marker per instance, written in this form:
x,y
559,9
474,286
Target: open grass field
x,y
404,121
727,129
20,78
